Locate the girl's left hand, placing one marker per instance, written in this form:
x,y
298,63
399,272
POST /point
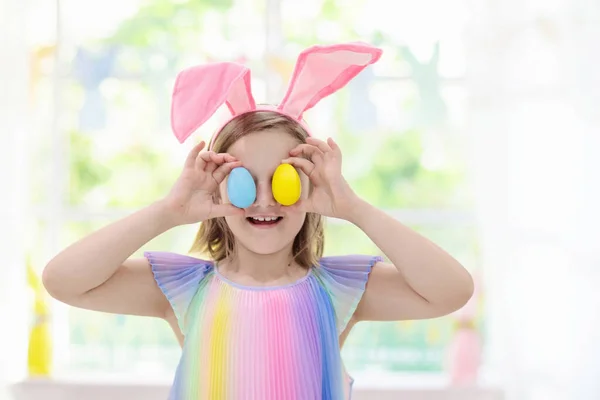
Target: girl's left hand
x,y
321,161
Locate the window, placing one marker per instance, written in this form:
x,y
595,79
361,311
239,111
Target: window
x,y
110,149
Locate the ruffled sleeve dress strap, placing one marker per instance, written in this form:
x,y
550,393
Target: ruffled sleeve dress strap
x,y
345,279
178,277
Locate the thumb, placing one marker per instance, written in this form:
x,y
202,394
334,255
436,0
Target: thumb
x,y
226,210
301,206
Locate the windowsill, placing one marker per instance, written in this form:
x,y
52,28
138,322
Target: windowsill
x,y
125,388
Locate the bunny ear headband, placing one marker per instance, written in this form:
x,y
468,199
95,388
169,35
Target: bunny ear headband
x,y
320,71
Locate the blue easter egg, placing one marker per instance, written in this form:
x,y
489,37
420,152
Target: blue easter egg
x,y
241,188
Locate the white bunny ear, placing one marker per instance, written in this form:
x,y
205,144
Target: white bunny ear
x,y
200,90
321,71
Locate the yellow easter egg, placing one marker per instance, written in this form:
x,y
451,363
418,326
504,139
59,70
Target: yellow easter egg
x,y
286,185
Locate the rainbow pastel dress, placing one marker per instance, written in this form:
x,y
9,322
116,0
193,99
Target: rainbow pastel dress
x,y
261,343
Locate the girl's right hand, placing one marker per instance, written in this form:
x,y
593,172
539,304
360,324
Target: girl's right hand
x,y
191,199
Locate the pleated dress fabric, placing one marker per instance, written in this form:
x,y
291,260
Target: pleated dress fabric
x,y
261,343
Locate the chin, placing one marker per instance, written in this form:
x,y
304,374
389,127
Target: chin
x,y
266,234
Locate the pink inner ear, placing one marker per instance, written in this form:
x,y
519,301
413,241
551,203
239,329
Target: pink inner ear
x,y
199,91
240,97
322,70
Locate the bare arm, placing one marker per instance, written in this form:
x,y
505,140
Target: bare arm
x,y
423,281
97,272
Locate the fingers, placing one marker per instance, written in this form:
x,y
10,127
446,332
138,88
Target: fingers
x,y
221,158
193,154
321,145
201,161
209,161
225,210
308,150
228,157
300,206
205,162
334,146
315,147
223,170
305,165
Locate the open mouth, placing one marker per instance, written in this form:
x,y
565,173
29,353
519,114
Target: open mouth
x,y
264,221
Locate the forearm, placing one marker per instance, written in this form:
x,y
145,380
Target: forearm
x,y
429,270
92,260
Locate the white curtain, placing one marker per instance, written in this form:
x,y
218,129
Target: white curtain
x,y
534,79
13,182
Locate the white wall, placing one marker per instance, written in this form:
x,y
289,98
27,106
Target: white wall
x,y
535,87
13,208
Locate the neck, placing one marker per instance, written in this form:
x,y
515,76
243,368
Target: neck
x,y
262,268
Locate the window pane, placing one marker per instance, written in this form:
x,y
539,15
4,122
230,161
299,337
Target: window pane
x,y
458,238
120,344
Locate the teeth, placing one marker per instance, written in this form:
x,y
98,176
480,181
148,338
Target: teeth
x,y
262,219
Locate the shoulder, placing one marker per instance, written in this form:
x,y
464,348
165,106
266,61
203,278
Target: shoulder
x,y
172,263
173,269
178,276
351,264
345,279
174,259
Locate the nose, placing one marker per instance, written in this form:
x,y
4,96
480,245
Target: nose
x,y
264,195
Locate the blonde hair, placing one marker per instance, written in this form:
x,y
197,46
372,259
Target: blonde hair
x,y
214,236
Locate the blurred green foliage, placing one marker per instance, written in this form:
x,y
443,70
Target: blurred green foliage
x,y
165,24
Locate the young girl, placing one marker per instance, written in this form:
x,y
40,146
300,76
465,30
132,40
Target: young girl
x,y
265,317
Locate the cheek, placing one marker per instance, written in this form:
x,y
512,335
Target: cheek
x,y
295,222
236,224
306,186
223,192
